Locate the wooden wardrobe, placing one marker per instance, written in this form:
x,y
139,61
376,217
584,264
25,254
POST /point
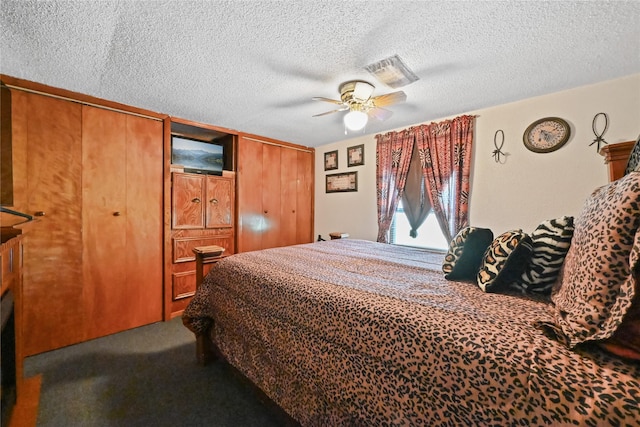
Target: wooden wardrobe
x,y
266,201
93,178
112,248
275,193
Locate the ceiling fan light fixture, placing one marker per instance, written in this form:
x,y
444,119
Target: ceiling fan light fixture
x,y
356,96
355,120
362,91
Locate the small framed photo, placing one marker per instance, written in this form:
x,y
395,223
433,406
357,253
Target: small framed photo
x,y
341,182
355,155
331,160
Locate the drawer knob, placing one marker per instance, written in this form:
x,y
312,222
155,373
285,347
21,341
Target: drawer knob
x,y
39,213
116,213
214,201
196,200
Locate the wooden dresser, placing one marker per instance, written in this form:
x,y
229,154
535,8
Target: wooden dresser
x,y
202,214
12,333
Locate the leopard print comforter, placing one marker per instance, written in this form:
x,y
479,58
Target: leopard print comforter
x,y
356,333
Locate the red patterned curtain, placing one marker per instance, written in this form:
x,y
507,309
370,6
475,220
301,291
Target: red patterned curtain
x,y
393,156
445,153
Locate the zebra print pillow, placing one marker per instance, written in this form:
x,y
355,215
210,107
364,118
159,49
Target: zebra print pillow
x,y
550,242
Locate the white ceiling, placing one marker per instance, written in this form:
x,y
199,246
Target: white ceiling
x,y
254,66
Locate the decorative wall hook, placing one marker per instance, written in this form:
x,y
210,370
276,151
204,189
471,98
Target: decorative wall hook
x,y
498,151
599,138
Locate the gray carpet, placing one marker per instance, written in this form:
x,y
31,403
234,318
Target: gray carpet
x,y
147,376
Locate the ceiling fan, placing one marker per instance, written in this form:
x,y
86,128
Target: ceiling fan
x,y
355,96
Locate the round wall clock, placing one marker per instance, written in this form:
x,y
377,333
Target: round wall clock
x,y
546,135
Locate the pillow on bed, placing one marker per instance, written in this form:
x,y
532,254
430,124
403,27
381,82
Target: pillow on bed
x,y
550,241
596,284
465,253
504,261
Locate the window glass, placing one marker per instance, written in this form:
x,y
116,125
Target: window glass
x,y
429,234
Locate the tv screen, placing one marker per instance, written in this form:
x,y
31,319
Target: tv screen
x,y
197,156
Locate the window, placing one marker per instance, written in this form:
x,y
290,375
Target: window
x,y
429,234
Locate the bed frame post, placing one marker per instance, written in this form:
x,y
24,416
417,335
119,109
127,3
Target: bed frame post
x,y
205,351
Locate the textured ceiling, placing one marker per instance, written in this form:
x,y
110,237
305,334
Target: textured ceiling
x,y
254,66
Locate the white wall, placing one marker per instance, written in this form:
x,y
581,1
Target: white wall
x,y
523,191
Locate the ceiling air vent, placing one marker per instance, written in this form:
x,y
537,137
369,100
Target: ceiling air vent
x,y
392,72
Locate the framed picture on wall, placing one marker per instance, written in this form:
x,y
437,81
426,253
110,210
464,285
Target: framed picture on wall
x,y
331,160
355,155
341,182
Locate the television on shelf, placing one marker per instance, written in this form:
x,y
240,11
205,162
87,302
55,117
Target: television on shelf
x,y
197,156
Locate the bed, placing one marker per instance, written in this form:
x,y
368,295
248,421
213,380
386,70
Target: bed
x,y
356,333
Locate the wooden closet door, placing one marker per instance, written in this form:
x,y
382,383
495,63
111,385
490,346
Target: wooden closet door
x,y
104,217
219,202
122,220
304,197
275,195
251,222
187,201
271,195
53,311
145,222
289,200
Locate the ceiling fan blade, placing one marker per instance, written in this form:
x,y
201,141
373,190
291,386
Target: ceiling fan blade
x,y
321,98
362,91
389,99
332,111
380,113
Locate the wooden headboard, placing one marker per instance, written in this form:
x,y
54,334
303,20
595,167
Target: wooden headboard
x,y
616,157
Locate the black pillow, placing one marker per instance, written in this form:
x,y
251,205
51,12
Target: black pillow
x,y
466,250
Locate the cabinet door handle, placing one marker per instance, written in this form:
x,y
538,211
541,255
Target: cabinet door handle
x,y
214,201
39,213
116,213
196,200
